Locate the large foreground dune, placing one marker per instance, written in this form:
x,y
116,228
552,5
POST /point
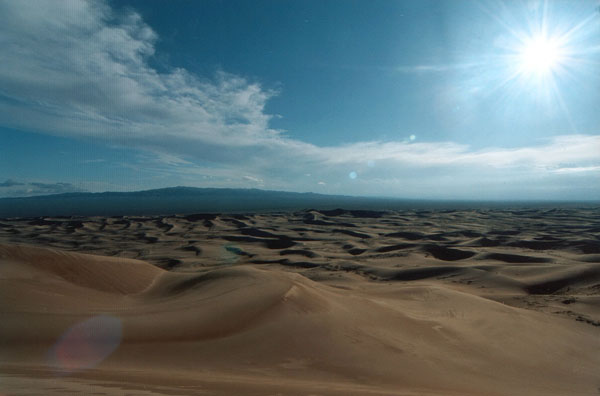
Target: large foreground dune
x,y
309,303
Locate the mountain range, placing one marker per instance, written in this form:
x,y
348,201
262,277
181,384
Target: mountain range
x,y
186,200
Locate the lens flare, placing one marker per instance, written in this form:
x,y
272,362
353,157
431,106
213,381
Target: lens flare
x,y
86,344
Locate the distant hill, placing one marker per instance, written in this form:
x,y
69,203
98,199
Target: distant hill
x,y
187,200
176,200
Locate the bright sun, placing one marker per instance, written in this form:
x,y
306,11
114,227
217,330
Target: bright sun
x,y
545,53
540,56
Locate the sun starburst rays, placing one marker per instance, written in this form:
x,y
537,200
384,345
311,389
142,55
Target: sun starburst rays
x,y
543,59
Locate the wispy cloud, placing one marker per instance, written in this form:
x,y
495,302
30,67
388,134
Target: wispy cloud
x,y
54,188
577,169
253,179
553,152
10,183
434,68
13,188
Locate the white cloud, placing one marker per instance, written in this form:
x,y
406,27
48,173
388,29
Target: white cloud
x,y
12,188
75,68
553,152
435,68
253,179
578,169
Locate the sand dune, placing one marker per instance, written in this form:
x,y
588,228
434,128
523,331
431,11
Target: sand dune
x,y
409,303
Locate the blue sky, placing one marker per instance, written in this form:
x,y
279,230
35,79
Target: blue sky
x,y
415,99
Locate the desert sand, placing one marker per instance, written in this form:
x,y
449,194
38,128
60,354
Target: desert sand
x,y
481,302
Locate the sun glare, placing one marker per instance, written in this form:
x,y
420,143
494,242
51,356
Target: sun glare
x,y
540,56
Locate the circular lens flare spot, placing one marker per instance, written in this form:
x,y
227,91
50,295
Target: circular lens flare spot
x,y
86,344
353,175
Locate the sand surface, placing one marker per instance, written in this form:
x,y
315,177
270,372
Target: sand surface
x,y
309,303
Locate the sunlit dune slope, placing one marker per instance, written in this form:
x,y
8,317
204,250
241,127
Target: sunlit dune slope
x,y
265,329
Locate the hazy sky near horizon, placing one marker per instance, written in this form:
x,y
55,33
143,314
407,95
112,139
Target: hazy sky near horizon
x,y
417,99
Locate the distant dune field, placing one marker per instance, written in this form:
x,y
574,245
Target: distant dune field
x,y
330,302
